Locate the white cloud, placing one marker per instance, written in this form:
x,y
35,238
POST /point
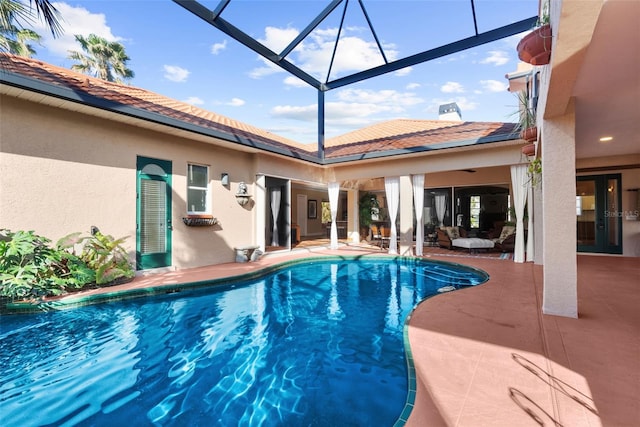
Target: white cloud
x,y
277,39
266,70
314,54
388,98
493,85
216,48
295,82
76,20
412,86
353,107
193,100
175,73
452,87
404,71
352,54
496,57
236,102
306,113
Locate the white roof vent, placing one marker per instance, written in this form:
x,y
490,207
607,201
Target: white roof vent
x,y
450,111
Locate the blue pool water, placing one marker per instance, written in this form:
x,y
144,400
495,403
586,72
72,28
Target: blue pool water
x,y
316,344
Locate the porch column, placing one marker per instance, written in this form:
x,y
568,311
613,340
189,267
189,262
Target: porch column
x,y
260,196
405,212
538,225
353,216
559,212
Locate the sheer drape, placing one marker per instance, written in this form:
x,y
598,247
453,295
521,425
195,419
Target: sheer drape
x,y
441,207
418,204
275,212
392,189
334,191
530,247
519,185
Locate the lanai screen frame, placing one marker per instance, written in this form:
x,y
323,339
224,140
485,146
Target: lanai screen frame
x,y
214,18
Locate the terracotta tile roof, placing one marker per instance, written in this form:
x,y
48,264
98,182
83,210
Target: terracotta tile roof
x,y
406,134
145,100
403,134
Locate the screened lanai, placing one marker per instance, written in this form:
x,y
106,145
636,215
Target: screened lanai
x,y
472,24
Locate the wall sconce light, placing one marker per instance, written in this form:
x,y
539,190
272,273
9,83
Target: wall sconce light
x,y
224,179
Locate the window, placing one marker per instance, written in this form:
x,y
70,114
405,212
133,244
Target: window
x,y
475,211
198,189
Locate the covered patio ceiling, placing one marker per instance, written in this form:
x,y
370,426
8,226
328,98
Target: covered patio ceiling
x,y
465,30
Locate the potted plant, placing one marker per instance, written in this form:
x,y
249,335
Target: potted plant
x,y
368,206
527,123
535,47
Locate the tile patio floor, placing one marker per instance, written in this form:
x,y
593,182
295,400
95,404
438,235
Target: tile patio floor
x,y
487,356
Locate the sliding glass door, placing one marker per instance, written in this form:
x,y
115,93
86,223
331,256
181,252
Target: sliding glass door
x,y
599,214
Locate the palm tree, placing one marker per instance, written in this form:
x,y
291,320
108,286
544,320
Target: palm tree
x,y
16,15
15,41
101,58
14,37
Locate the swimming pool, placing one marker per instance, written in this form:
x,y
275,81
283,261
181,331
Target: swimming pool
x,y
319,343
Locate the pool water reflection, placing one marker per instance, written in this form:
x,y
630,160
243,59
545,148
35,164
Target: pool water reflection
x,y
318,344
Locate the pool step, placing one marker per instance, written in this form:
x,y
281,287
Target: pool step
x,y
449,276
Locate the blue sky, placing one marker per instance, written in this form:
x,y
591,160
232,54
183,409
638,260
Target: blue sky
x,y
178,55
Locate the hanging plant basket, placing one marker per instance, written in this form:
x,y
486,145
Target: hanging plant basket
x,y
199,220
529,150
529,134
535,47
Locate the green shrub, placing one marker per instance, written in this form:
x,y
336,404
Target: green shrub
x,y
101,253
31,269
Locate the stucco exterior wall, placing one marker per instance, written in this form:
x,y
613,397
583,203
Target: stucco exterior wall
x,y
64,172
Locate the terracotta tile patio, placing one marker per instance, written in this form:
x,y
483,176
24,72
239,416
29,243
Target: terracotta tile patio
x,y
487,356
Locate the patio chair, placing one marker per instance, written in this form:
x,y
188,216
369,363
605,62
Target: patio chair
x,y
385,235
376,235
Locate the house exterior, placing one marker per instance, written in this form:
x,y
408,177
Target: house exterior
x,y
77,152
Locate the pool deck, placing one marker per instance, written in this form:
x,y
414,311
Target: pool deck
x,y
487,356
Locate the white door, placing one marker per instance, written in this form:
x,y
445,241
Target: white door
x,y
301,214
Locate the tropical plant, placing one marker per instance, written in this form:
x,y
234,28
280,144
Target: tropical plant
x,y
30,268
368,206
101,58
103,254
526,114
534,171
543,19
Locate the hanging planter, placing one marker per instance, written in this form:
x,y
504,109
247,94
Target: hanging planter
x,y
199,220
529,150
529,134
535,47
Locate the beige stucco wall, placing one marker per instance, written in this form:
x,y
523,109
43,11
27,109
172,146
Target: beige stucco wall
x,y
63,172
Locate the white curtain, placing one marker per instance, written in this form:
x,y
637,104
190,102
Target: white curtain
x,y
334,191
275,211
530,247
519,185
418,204
392,189
441,207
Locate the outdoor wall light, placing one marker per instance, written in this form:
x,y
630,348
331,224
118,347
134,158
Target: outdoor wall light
x,y
224,179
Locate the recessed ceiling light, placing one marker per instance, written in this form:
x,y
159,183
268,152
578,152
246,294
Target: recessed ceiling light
x,y
606,138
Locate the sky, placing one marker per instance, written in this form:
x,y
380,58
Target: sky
x,y
176,54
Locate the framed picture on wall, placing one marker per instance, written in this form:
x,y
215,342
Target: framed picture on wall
x,y
312,209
